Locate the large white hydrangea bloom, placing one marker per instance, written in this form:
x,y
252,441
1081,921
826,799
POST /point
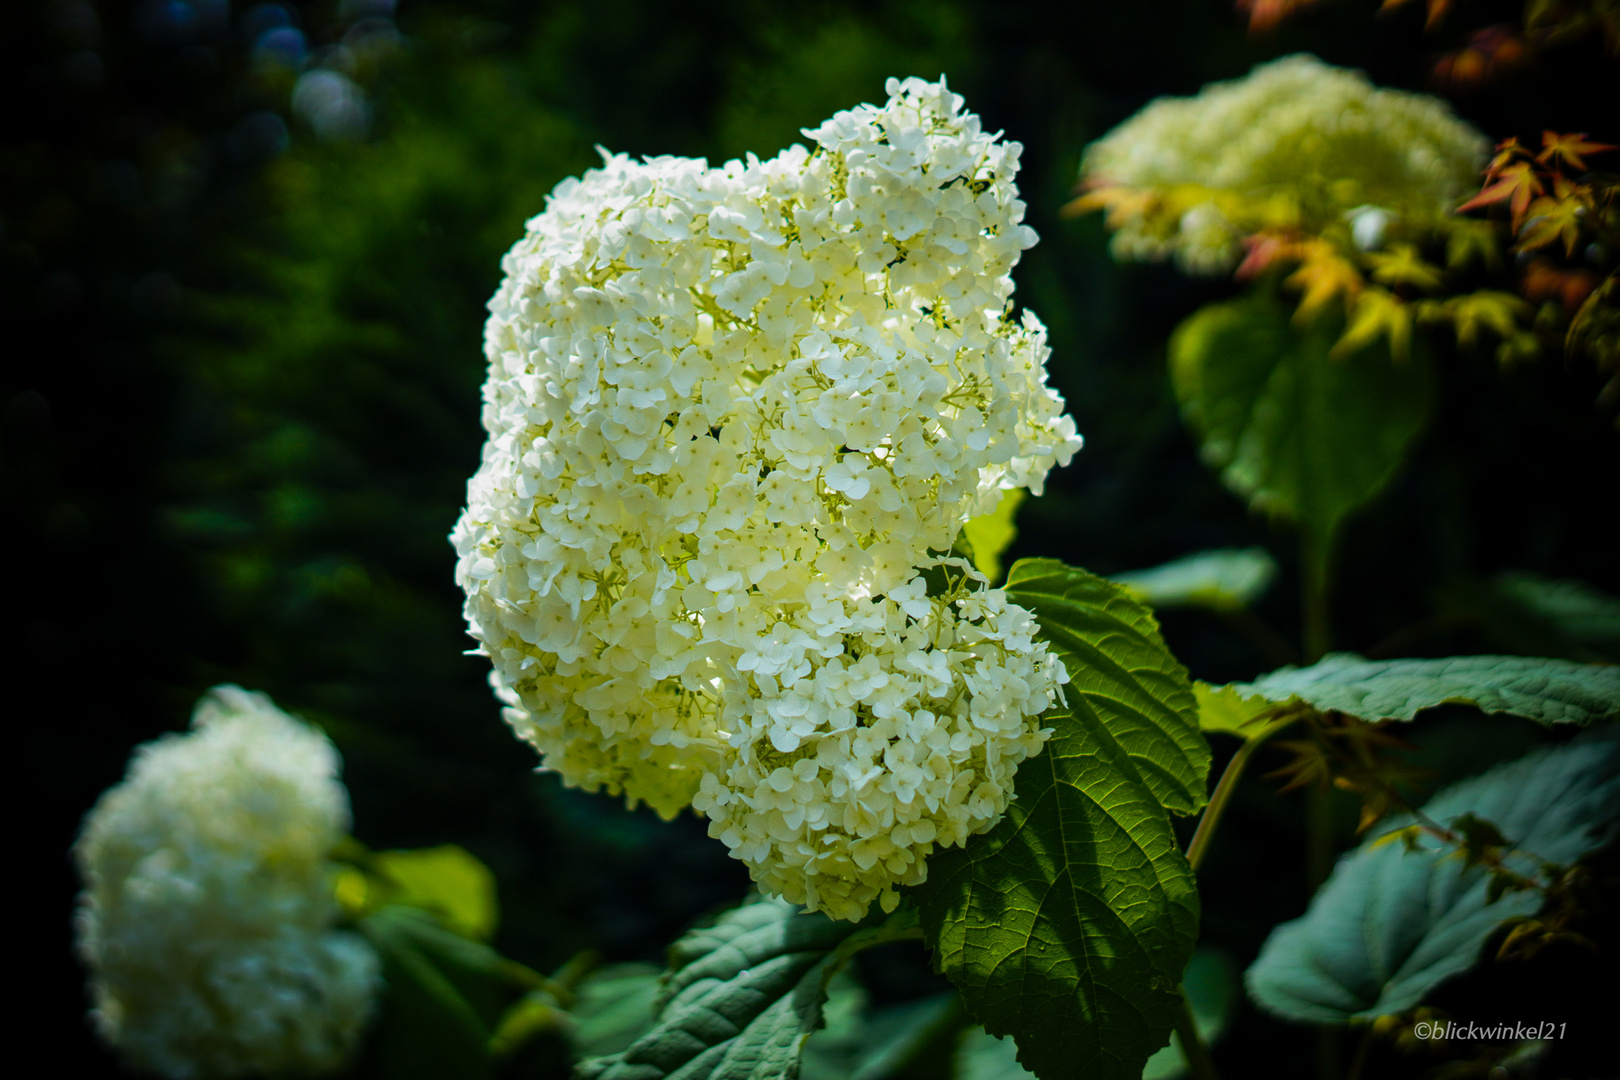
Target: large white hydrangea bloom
x,y
206,919
730,412
1322,138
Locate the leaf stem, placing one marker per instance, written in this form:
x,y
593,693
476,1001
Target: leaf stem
x,y
1193,1050
1224,787
1362,1051
1314,555
1318,835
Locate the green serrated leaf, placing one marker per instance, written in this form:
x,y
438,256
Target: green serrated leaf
x,y
1142,700
990,536
1540,689
742,996
1224,579
1300,434
1068,925
1391,924
1211,985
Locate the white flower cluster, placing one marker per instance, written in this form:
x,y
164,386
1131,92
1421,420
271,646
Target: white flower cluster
x,y
207,911
1320,138
731,411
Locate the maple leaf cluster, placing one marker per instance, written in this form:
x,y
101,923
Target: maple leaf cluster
x,y
1565,221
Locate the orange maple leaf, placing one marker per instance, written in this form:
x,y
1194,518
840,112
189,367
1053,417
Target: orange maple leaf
x,y
1569,149
1544,280
1437,11
1517,185
1264,249
1266,14
1489,53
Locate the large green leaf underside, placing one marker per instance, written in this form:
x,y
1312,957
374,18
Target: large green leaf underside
x,y
1390,924
1122,679
1540,689
1068,925
741,997
1298,433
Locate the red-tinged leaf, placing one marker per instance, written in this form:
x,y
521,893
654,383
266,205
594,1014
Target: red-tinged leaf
x,y
1437,10
1489,53
1545,280
1263,250
1264,15
1517,186
1569,149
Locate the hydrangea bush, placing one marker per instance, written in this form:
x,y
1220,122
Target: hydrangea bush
x,y
734,413
207,915
1295,143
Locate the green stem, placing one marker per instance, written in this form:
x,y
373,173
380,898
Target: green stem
x,y
1224,787
1314,555
1362,1051
1329,1052
1193,1050
1318,836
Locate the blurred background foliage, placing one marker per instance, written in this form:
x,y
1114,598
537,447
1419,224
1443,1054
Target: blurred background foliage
x,y
245,251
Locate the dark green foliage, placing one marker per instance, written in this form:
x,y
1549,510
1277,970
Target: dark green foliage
x,y
444,998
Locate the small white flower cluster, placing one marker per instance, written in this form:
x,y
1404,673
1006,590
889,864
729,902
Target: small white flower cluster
x,y
207,911
731,411
1321,139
